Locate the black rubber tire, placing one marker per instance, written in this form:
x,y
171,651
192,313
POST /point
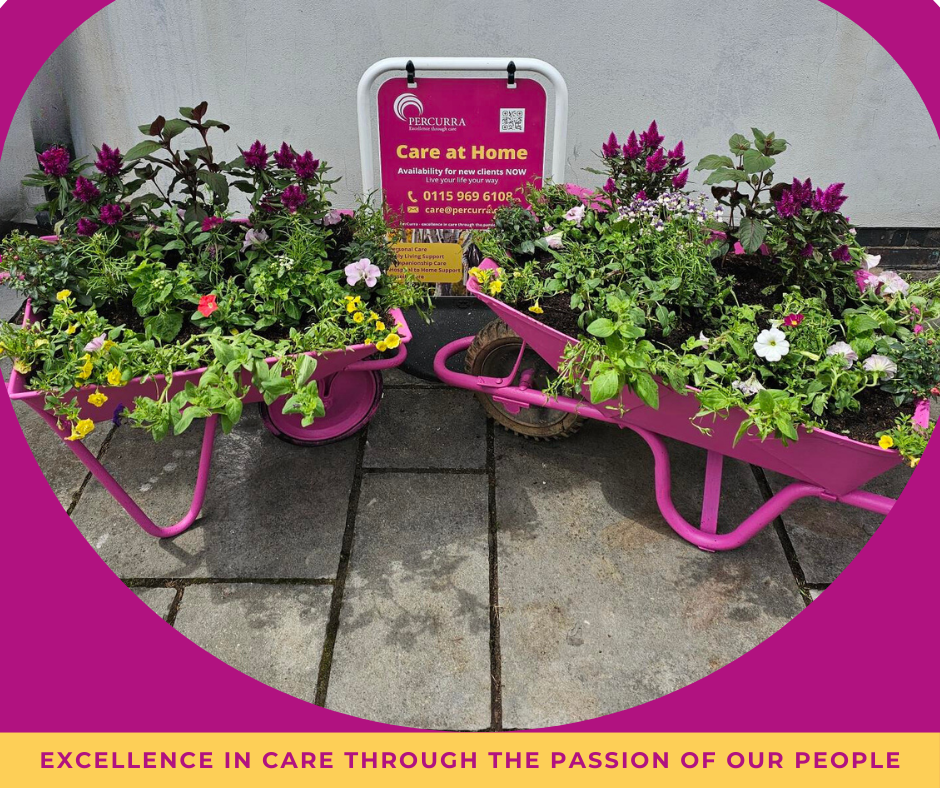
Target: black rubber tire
x,y
498,339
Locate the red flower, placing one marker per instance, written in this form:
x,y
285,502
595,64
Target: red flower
x,y
793,320
207,305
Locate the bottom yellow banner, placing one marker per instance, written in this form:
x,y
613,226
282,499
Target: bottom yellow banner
x,y
519,759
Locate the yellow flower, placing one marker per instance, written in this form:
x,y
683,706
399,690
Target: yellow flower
x,y
373,316
381,347
379,325
350,306
358,317
350,298
107,345
86,369
495,286
886,442
392,341
475,273
72,329
915,461
115,377
40,342
535,309
22,367
63,294
82,429
97,399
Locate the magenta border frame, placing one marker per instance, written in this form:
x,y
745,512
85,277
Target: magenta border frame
x,y
864,653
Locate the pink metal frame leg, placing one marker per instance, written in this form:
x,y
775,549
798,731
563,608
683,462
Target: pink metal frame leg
x,y
120,495
706,536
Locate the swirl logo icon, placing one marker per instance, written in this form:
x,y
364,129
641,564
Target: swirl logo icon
x,y
404,101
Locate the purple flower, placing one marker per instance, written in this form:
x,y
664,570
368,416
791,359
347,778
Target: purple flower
x,y
116,417
716,235
641,194
254,238
55,161
677,155
651,138
830,200
109,161
842,254
96,344
86,227
681,179
85,190
787,205
256,156
866,280
802,192
611,148
211,222
656,162
111,214
284,157
808,250
362,270
292,198
332,217
306,166
632,147
610,187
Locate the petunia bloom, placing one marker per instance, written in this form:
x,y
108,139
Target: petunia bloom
x,y
748,387
872,261
109,161
808,250
892,282
55,161
96,344
207,305
554,241
85,190
256,157
843,349
866,280
921,418
362,270
211,222
772,344
882,365
918,329
575,215
254,238
332,217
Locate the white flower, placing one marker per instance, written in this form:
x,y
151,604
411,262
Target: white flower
x,y
772,344
853,231
254,238
96,344
872,260
547,228
333,217
882,365
893,283
703,339
364,270
843,349
554,241
748,387
575,215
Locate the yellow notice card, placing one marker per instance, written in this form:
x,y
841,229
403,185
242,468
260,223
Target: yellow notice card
x,y
434,263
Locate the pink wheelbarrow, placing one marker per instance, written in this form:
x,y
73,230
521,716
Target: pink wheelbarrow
x,y
517,354
350,385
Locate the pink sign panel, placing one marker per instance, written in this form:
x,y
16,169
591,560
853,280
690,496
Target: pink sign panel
x,y
454,150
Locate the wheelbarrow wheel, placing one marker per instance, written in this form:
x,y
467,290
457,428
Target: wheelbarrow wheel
x,y
493,354
350,398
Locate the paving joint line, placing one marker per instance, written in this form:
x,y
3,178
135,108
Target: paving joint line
x,y
184,582
799,576
77,495
452,471
496,663
342,570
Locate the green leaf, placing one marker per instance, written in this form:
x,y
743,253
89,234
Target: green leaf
x,y
164,326
142,149
861,324
713,162
647,390
759,137
738,144
765,401
785,426
602,327
726,174
216,182
605,386
174,127
751,234
755,161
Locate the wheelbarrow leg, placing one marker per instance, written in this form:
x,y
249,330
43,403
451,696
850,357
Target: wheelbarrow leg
x,y
120,495
712,497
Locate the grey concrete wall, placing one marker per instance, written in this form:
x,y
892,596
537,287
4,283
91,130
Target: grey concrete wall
x,y
289,69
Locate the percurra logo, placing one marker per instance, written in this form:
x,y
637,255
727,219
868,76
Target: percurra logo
x,y
404,101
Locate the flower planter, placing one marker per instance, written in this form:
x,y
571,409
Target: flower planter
x,y
350,386
825,465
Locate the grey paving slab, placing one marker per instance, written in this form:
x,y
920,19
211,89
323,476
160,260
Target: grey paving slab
x,y
437,428
827,536
413,641
158,600
273,633
815,593
602,606
398,377
272,509
62,470
10,303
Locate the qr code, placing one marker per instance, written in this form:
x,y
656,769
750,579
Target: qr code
x,y
512,120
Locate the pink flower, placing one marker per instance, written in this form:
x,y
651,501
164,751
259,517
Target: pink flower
x,y
85,190
866,280
211,222
293,197
922,414
86,227
284,157
207,305
306,166
681,179
918,329
55,161
764,250
111,214
738,249
362,270
96,344
716,235
575,215
332,217
256,157
793,320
